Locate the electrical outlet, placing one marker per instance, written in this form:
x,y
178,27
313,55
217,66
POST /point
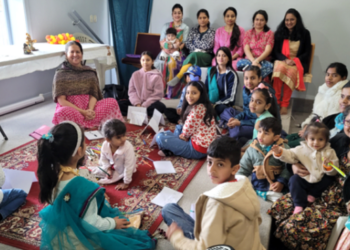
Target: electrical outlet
x,y
91,18
95,18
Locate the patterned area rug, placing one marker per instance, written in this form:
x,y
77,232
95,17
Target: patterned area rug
x,y
22,228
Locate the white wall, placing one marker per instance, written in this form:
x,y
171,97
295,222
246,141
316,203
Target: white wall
x,y
326,20
49,17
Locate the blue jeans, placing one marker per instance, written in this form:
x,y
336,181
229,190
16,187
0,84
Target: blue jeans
x,y
12,200
170,141
174,213
266,66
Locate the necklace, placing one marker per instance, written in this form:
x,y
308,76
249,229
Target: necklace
x,y
177,26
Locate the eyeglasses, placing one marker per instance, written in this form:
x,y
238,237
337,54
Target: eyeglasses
x,y
347,123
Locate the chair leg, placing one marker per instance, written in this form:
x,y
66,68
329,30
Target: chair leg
x,y
3,133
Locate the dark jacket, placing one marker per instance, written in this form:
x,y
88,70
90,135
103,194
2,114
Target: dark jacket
x,y
341,144
248,118
304,51
226,86
329,121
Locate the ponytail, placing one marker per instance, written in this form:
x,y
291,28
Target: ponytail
x,y
53,151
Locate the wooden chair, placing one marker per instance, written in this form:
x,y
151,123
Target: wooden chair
x,y
308,75
144,41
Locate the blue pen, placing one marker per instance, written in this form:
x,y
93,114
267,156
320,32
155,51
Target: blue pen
x,y
147,158
144,142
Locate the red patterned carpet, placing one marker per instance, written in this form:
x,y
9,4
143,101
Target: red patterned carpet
x,y
22,228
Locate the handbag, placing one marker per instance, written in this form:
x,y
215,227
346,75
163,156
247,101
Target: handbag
x,y
118,92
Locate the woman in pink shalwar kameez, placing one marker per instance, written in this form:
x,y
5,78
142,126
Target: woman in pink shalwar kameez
x,y
77,93
230,36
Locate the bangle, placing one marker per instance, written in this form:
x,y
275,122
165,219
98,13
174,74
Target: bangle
x,y
278,155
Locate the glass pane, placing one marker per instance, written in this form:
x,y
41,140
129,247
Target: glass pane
x,y
18,21
4,39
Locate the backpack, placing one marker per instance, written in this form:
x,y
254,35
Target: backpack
x,y
118,92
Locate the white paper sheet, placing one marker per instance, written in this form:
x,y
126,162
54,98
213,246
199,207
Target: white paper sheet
x,y
19,179
153,142
93,135
164,167
166,196
137,115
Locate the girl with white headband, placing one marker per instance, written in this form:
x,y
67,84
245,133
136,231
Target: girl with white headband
x,y
78,216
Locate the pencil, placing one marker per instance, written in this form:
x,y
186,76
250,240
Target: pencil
x,y
147,158
104,171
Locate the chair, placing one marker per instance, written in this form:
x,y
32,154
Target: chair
x,y
308,75
144,41
3,134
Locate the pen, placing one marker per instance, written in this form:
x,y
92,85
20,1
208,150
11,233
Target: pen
x,y
147,158
144,142
104,171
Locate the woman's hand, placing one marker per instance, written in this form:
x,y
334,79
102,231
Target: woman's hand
x,y
87,114
289,62
178,111
256,63
277,150
173,227
182,137
121,223
233,122
300,170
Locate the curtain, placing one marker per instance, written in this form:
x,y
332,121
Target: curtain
x,y
128,17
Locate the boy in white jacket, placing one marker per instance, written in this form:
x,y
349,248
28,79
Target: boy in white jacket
x,y
315,154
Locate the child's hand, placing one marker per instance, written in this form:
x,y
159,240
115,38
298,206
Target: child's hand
x,y
178,111
173,227
110,172
327,167
233,123
277,187
276,150
121,223
182,137
301,132
121,186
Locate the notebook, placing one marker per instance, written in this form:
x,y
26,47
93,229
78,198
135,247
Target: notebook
x,y
37,134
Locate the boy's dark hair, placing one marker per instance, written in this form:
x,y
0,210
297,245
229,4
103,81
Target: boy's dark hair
x,y
53,154
113,127
271,123
317,126
171,31
225,148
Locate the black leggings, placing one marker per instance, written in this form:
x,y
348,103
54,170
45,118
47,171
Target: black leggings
x,y
124,104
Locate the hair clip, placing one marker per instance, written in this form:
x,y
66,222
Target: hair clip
x,y
263,86
48,137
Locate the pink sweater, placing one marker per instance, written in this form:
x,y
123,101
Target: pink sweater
x,y
222,39
146,88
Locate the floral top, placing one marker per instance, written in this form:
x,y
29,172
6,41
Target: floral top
x,y
258,42
203,41
201,135
222,38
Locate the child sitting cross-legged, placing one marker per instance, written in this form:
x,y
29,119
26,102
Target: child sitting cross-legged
x,y
269,175
228,214
117,155
315,154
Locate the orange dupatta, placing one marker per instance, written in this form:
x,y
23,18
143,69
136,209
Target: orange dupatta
x,y
286,52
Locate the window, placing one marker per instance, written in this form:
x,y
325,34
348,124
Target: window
x,y
12,22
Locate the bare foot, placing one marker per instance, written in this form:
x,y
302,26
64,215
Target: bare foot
x,y
283,110
161,153
298,209
311,199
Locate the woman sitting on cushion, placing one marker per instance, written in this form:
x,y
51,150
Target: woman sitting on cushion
x,y
292,53
327,99
258,43
230,36
77,93
171,67
200,42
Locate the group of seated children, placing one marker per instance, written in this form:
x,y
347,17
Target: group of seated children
x,y
79,216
